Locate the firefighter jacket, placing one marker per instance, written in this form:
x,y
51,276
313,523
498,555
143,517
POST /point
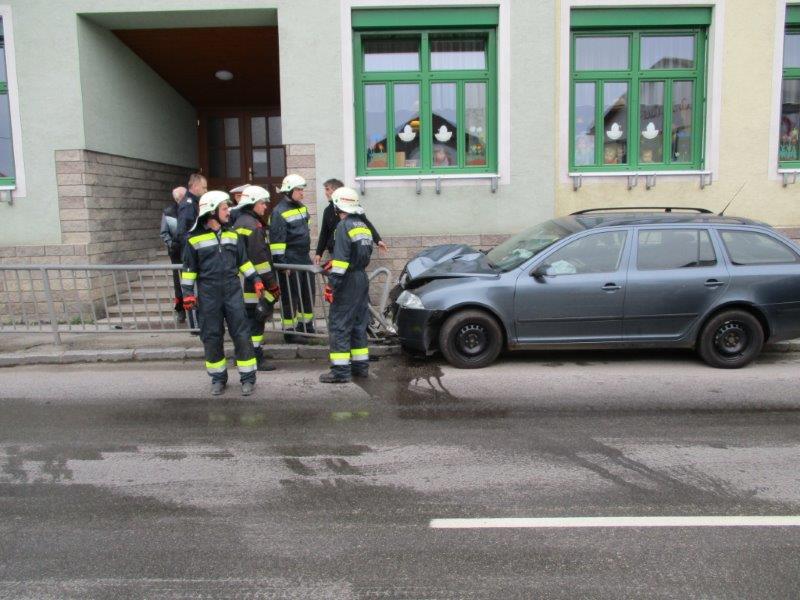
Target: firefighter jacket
x,y
352,249
250,228
329,222
214,260
187,215
289,233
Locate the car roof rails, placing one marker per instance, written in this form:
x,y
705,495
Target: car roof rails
x,y
666,209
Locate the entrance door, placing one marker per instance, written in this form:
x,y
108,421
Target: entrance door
x,y
241,146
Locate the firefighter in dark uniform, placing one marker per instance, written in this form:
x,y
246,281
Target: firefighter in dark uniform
x,y
213,258
290,243
348,291
250,210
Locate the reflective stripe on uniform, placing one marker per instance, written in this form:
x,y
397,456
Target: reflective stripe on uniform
x,y
339,266
216,367
263,268
359,233
359,354
340,358
243,231
203,241
250,298
247,269
269,297
246,366
304,317
294,214
289,322
188,278
229,237
277,249
256,339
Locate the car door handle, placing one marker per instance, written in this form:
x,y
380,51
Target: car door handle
x,y
714,283
611,287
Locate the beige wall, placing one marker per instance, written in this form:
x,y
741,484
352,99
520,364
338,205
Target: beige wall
x,y
740,152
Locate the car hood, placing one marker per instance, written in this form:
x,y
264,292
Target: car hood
x,y
449,260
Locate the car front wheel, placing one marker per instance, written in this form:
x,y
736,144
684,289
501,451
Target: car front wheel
x,y
731,339
470,339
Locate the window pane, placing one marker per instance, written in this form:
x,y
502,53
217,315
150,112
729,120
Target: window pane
x,y
789,148
258,131
3,75
458,52
445,124
275,137
674,249
791,51
682,115
277,161
215,135
615,121
475,114
6,147
651,122
668,52
232,132
598,253
752,248
260,163
391,54
601,53
375,125
216,163
406,125
233,162
584,124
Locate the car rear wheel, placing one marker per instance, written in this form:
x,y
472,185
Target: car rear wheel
x,y
470,339
731,339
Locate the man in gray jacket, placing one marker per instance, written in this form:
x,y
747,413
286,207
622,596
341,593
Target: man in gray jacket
x,y
169,234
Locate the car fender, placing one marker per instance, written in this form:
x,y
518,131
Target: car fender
x,y
729,304
467,304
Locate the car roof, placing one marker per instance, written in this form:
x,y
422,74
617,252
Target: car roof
x,y
581,221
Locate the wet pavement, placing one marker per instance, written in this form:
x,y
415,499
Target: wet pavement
x,y
128,481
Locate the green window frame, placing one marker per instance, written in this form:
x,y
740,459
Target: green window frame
x,y
471,93
6,144
789,118
664,148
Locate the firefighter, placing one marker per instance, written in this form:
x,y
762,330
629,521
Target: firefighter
x,y
250,209
290,243
213,258
348,290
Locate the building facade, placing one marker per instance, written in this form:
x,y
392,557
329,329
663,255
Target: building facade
x,y
460,121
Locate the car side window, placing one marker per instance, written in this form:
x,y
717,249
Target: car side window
x,y
660,249
597,253
753,248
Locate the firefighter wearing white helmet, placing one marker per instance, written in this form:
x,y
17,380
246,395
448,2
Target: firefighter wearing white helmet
x,y
249,225
348,290
213,259
290,244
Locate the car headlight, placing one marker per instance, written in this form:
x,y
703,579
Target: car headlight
x,y
409,300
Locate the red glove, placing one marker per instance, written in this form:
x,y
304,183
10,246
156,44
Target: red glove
x,y
327,266
275,290
327,294
189,302
259,288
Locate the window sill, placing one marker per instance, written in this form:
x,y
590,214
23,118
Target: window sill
x,y
788,175
363,180
632,177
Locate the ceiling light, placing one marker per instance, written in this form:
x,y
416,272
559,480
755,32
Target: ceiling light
x,y
223,75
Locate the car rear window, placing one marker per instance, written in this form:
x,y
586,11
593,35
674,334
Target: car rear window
x,y
674,249
753,248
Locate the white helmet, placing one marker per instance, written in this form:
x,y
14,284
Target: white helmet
x,y
209,202
252,194
345,199
239,188
291,182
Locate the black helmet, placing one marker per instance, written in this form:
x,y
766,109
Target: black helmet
x,y
263,310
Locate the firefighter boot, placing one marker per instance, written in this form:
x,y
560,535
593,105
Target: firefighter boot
x,y
262,363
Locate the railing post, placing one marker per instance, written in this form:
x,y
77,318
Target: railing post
x,y
50,306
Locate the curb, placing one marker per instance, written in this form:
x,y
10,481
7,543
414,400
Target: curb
x,y
67,357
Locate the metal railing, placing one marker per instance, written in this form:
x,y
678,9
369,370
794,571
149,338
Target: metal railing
x,y
60,299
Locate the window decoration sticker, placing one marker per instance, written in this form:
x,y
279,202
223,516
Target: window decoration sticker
x,y
615,132
443,135
650,132
408,134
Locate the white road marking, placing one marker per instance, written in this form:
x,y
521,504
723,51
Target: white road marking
x,y
580,522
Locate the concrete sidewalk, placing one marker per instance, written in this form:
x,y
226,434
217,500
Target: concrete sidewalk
x,y
38,348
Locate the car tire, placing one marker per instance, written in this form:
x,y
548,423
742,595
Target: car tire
x,y
470,339
731,339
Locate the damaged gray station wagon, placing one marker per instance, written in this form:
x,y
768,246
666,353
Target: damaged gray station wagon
x,y
642,278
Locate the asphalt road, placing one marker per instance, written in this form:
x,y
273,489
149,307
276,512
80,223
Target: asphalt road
x,y
129,481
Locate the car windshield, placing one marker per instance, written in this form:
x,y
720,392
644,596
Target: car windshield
x,y
519,248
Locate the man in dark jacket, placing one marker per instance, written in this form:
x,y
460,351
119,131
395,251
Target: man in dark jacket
x,y
330,221
169,234
214,257
187,209
348,291
251,208
290,244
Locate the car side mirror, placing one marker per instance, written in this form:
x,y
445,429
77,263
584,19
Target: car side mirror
x,y
540,272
